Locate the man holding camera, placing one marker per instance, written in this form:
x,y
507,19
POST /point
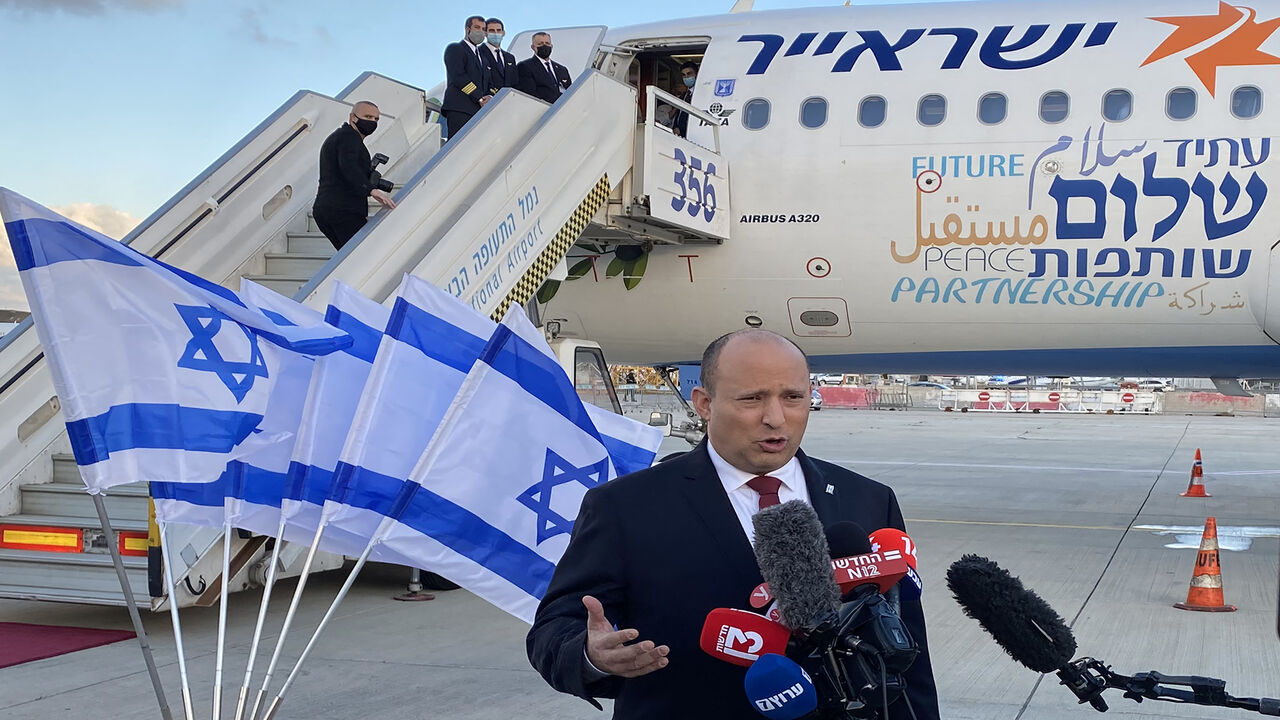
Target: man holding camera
x,y
347,178
653,552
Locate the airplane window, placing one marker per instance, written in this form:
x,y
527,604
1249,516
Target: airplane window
x,y
871,111
1054,106
1117,105
1246,102
813,112
1181,103
932,110
755,114
992,108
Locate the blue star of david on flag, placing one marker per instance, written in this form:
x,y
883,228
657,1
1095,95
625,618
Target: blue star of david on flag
x,y
558,471
202,354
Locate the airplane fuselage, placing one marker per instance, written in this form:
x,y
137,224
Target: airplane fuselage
x,y
1051,189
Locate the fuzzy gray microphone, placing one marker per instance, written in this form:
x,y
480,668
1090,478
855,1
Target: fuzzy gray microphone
x,y
791,549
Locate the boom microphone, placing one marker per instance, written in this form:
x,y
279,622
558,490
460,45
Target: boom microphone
x,y
794,559
741,636
780,689
1020,621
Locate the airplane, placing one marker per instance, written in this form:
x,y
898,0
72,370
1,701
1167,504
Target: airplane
x,y
962,188
947,189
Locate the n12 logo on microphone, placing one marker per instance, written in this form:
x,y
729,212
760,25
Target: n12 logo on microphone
x,y
739,643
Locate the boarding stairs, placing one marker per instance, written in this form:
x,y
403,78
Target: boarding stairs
x,y
489,216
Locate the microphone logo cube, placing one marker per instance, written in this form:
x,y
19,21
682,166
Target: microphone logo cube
x,y
739,643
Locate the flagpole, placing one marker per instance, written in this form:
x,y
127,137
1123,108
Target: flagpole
x,y
262,618
328,615
222,621
288,620
132,605
173,615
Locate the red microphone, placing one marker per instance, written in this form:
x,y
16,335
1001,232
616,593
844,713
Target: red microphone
x,y
872,567
893,540
741,636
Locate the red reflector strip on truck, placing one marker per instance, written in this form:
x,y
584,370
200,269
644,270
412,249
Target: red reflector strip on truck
x,y
48,539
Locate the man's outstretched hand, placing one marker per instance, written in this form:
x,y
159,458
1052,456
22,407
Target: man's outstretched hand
x,y
608,650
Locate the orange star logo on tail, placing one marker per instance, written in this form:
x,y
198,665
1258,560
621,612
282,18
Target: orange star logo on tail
x,y
1239,48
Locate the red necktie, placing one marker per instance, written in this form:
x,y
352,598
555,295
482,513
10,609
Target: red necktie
x,y
767,486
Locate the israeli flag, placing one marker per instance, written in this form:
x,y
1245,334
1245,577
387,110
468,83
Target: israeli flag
x,y
337,385
492,501
250,490
431,341
162,375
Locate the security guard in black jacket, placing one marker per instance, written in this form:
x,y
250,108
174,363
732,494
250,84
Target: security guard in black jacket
x,y
342,202
466,77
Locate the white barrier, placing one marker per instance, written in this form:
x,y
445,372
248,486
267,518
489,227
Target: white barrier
x,y
1057,401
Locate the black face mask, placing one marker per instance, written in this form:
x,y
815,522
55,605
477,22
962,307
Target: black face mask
x,y
366,127
544,51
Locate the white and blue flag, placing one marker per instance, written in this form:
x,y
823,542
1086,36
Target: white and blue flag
x,y
337,385
492,501
431,341
250,490
162,375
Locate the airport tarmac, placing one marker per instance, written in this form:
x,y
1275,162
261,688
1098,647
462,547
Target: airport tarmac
x,y
1082,508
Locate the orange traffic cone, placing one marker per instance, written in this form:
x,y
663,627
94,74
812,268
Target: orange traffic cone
x,y
1196,488
1205,594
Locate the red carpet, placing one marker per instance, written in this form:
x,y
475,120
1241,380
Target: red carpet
x,y
20,642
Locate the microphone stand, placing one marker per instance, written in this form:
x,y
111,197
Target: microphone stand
x,y
1088,678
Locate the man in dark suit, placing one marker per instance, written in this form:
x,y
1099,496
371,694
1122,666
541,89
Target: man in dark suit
x,y
540,76
342,200
653,552
501,64
467,77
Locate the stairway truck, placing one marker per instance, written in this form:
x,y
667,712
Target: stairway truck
x,y
583,361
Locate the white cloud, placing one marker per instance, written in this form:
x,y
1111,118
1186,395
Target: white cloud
x,y
87,7
251,21
11,295
103,218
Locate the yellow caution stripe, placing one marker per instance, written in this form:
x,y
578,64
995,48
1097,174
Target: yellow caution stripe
x,y
47,539
556,250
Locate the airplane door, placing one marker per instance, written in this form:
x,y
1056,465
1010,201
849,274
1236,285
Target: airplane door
x,y
1270,319
574,48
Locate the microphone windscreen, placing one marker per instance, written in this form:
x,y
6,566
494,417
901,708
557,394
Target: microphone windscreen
x,y
794,559
1020,621
893,543
847,538
778,688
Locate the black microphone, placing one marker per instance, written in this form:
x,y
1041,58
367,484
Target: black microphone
x,y
794,559
847,538
1020,621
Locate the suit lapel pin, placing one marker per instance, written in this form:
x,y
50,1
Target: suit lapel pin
x,y
831,489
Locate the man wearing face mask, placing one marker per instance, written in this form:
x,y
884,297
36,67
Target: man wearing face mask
x,y
502,64
540,76
467,76
684,91
342,201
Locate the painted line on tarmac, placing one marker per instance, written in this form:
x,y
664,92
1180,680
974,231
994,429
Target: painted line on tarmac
x,y
1053,468
1015,524
991,466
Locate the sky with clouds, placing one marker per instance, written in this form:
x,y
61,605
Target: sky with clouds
x,y
117,104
